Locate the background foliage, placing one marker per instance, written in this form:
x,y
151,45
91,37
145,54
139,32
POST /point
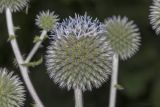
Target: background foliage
x,y
140,75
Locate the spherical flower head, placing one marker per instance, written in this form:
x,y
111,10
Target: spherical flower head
x,y
123,36
78,55
11,90
155,16
13,5
47,20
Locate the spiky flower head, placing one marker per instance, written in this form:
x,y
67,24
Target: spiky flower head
x,y
155,16
11,90
79,56
13,5
46,20
123,36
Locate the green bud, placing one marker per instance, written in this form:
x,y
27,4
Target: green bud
x,y
46,20
11,90
123,36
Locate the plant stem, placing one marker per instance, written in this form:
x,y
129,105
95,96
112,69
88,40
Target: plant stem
x,y
114,81
36,46
78,97
18,55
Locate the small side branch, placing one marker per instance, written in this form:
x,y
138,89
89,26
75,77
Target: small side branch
x,y
36,47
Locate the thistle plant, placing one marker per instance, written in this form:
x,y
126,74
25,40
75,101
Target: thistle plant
x,y
124,37
10,6
11,90
79,57
155,16
24,69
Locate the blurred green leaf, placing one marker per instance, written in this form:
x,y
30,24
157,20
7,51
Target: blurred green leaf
x,y
11,37
135,83
119,87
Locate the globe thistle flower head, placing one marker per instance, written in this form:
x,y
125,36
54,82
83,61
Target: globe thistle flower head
x,y
155,16
11,90
123,36
79,57
47,20
13,5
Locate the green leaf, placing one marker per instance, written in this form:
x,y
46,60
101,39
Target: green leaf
x,y
119,87
34,105
11,37
16,28
15,63
34,63
37,39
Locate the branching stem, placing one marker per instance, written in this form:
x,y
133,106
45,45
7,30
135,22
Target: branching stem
x,y
18,55
36,47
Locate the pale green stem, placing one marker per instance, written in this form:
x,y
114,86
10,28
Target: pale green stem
x,y
78,97
24,70
36,47
114,82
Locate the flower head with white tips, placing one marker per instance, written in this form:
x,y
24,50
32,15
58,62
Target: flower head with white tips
x,y
13,5
79,56
11,90
79,26
123,36
155,16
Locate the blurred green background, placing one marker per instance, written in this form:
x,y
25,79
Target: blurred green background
x,y
140,75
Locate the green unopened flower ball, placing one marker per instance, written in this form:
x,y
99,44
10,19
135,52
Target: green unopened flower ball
x,y
78,55
123,36
46,20
11,90
13,5
155,16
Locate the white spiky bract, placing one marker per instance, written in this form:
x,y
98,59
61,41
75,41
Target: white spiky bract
x,y
155,16
123,36
78,55
46,20
11,90
13,5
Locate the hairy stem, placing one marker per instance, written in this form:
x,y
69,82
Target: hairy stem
x,y
36,47
18,55
114,81
78,97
